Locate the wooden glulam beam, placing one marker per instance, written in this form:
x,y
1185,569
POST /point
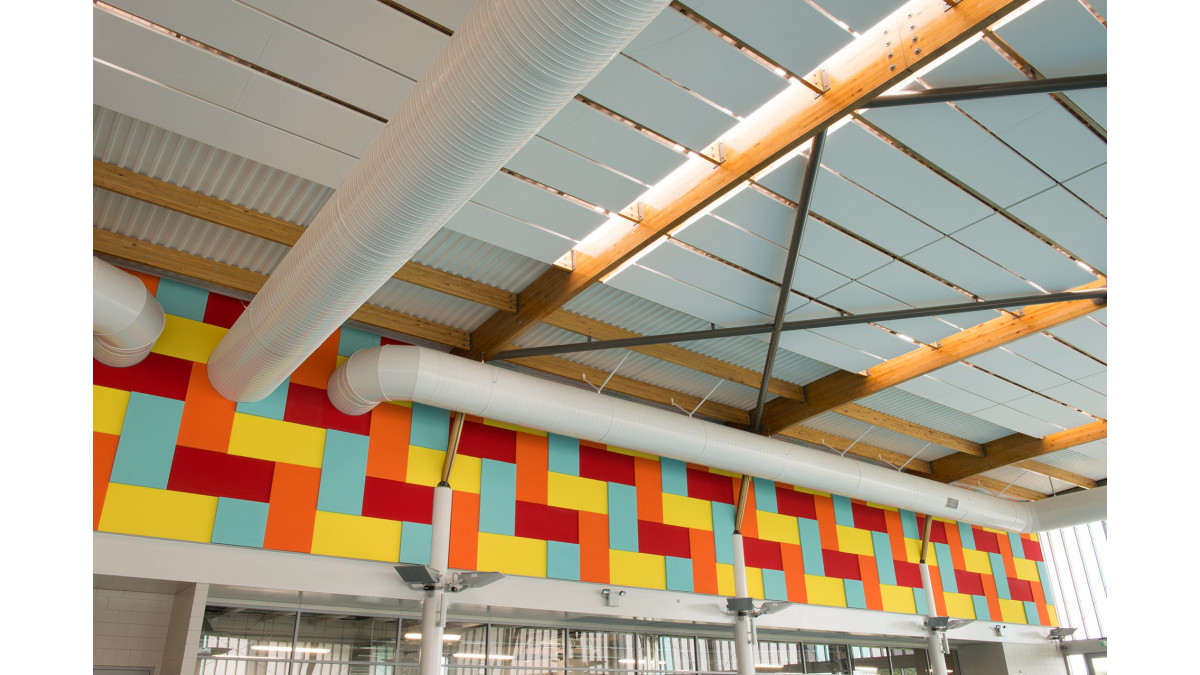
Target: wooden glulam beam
x,y
577,323
911,429
1003,489
216,273
219,212
1044,469
910,38
552,365
844,387
1012,449
864,450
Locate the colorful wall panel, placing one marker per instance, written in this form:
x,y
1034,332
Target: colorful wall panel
x,y
175,460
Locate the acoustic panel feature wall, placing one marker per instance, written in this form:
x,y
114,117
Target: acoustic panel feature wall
x,y
173,459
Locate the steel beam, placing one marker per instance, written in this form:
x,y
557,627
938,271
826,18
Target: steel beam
x,y
992,90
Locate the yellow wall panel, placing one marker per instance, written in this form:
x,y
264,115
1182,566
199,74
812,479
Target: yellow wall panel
x,y
725,583
632,453
188,339
825,591
425,466
687,512
150,512
778,527
898,599
513,427
977,561
1026,569
960,605
276,441
912,549
1053,615
856,541
349,536
465,474
108,409
644,570
573,492
1013,611
754,583
512,555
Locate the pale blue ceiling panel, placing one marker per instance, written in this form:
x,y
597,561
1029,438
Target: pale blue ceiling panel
x,y
608,142
308,115
963,267
682,50
820,348
787,178
696,270
1013,367
901,180
793,34
1036,126
858,299
802,309
701,304
1101,315
838,251
965,320
758,213
934,415
862,15
956,144
532,204
1085,334
1050,411
1060,38
653,102
946,394
1069,222
910,286
562,169
869,339
1096,450
1017,421
1094,102
926,329
1056,356
501,230
1097,382
868,216
977,64
1079,396
1017,250
1092,187
979,382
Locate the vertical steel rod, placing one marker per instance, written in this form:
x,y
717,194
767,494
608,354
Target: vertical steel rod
x,y
785,289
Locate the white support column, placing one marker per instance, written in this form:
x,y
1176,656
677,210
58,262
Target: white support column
x,y
433,611
937,657
183,630
743,640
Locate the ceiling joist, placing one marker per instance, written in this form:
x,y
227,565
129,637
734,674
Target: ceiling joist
x,y
910,38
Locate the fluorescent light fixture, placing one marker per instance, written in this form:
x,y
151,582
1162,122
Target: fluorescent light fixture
x,y
298,650
768,666
629,661
270,648
448,637
498,657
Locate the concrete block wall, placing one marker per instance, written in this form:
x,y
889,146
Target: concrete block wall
x,y
129,628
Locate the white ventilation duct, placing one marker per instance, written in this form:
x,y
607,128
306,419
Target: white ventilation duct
x,y
416,374
510,67
126,319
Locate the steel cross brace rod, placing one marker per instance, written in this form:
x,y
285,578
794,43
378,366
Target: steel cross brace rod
x,y
808,324
992,90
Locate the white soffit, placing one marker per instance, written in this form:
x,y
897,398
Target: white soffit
x,y
1069,222
793,34
607,141
687,53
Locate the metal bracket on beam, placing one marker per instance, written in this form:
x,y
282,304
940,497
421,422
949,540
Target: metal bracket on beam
x,y
635,212
950,4
693,412
819,78
715,152
600,389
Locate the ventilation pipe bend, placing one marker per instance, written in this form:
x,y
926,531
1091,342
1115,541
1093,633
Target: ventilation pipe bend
x,y
511,66
453,383
126,319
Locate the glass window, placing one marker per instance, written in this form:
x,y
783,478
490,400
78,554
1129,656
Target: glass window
x,y
601,651
337,637
779,657
871,661
408,650
715,655
527,650
909,662
668,653
825,658
233,632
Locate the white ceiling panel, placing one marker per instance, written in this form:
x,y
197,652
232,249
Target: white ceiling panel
x,y
885,171
911,287
684,51
956,144
933,415
702,272
758,213
1013,367
945,394
868,216
1092,187
1056,356
498,229
926,329
1036,126
1017,250
967,269
229,26
791,33
175,111
856,298
611,143
292,109
1097,382
655,103
560,168
869,339
448,13
861,14
530,203
1017,421
818,347
977,64
664,290
1050,411
979,382
1097,450
1086,334
839,251
1069,222
1060,38
1094,102
1079,396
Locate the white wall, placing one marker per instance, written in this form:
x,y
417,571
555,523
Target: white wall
x,y
129,628
1010,659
